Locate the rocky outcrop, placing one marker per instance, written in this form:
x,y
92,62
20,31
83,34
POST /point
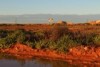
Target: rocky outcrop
x,y
86,51
64,23
94,22
61,22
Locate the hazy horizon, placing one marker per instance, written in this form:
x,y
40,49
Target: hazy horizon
x,y
47,14
43,18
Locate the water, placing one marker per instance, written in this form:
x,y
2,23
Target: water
x,y
31,63
8,61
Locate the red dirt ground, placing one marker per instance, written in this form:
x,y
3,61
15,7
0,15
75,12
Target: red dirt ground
x,y
78,54
35,27
27,27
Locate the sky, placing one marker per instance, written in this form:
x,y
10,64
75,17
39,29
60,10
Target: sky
x,y
19,7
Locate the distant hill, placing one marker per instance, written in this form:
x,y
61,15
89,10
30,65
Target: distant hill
x,y
43,18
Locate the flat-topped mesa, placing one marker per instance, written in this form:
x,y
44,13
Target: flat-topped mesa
x,y
94,22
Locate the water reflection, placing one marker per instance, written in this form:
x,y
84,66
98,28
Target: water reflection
x,y
8,61
32,63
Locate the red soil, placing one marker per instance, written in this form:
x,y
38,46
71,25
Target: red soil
x,y
27,27
36,27
78,54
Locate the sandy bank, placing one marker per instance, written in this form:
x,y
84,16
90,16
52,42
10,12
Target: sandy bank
x,y
78,54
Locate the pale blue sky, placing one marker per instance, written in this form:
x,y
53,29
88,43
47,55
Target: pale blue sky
x,y
19,7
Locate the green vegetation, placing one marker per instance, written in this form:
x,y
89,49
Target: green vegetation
x,y
64,43
96,40
59,38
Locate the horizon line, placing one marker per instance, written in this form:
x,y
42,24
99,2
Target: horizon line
x,y
46,14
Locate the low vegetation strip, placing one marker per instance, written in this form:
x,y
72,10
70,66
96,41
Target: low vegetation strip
x,y
59,40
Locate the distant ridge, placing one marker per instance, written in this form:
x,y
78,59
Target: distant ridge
x,y
43,18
